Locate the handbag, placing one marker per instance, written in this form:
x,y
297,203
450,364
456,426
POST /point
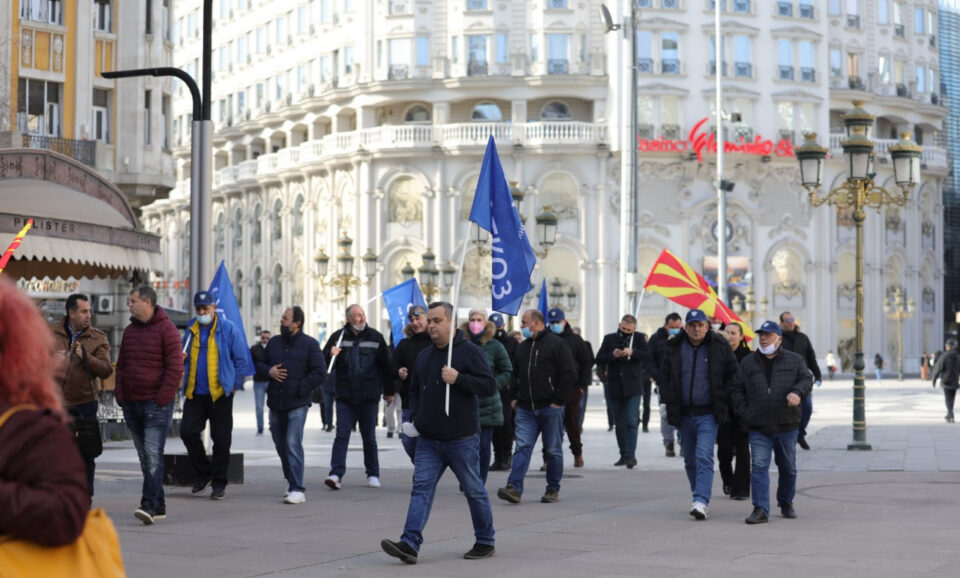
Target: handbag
x,y
96,553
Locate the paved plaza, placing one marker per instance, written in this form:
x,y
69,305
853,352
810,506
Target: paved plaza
x,y
892,511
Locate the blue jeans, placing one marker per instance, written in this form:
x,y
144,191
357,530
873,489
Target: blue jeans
x,y
286,427
698,434
148,424
366,415
433,458
86,411
626,417
409,443
530,424
784,448
328,401
486,446
259,393
806,410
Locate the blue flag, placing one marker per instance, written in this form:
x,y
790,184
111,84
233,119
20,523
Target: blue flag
x,y
543,305
399,299
222,291
513,257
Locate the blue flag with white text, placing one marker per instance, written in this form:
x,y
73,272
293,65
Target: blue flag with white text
x,y
544,305
513,257
222,291
399,299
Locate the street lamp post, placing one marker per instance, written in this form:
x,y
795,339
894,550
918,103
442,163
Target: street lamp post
x,y
859,192
748,307
547,222
344,278
899,309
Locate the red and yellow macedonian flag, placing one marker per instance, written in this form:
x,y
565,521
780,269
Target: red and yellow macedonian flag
x,y
5,257
679,283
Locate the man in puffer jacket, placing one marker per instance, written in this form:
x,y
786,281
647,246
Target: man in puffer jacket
x,y
482,333
767,401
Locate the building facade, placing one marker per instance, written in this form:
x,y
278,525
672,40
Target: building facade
x,y
949,43
368,119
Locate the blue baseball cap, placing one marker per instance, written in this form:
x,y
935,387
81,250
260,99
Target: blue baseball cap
x,y
770,327
555,315
696,315
203,298
496,318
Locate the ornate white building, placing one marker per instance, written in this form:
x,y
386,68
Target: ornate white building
x,y
369,119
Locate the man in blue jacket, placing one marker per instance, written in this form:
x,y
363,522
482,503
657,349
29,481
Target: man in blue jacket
x,y
216,361
446,440
294,364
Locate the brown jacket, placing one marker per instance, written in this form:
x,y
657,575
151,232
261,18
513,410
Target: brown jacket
x,y
74,377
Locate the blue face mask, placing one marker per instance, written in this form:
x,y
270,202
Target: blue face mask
x,y
556,328
673,331
526,333
205,319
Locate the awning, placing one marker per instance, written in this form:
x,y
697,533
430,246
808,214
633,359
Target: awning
x,y
52,249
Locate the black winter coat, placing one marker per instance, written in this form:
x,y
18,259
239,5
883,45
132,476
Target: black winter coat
x,y
763,406
306,369
428,392
724,376
545,372
625,375
362,369
405,355
947,369
582,356
799,343
509,343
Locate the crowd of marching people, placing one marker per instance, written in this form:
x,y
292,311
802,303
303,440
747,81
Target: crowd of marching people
x,y
470,398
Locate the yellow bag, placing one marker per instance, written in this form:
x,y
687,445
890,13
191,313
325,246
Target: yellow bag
x,y
95,554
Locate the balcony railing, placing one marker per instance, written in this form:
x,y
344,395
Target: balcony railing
x,y
670,66
669,4
712,68
808,74
741,5
477,68
645,131
899,30
744,69
645,65
670,131
84,151
856,83
784,9
932,155
399,71
786,72
806,11
902,91
853,21
644,3
558,66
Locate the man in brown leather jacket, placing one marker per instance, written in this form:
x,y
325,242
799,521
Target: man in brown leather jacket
x,y
86,355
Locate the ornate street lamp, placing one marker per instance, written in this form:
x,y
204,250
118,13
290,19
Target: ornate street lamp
x,y
547,222
859,192
898,310
344,278
408,271
430,278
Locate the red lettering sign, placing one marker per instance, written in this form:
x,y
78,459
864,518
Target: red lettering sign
x,y
700,142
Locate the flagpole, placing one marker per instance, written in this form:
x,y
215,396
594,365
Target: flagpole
x,y
636,314
453,325
334,358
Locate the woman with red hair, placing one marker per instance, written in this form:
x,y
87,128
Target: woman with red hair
x,y
43,481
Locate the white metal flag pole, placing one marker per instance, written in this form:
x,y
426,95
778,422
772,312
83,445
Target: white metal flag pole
x,y
636,314
340,339
453,325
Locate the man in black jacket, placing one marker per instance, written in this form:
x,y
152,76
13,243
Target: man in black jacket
x,y
446,439
672,326
543,377
584,366
363,374
259,386
697,374
415,340
624,354
767,401
947,369
503,435
797,342
293,363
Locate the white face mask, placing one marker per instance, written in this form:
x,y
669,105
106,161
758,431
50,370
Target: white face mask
x,y
768,350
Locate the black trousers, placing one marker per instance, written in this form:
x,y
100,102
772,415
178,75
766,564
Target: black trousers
x,y
503,435
949,395
196,413
732,440
645,415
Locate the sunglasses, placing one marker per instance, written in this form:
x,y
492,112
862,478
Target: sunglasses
x,y
415,314
788,320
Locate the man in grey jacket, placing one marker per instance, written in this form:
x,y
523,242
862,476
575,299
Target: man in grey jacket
x,y
767,401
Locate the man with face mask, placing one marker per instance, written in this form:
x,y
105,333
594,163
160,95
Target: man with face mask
x,y
259,385
767,400
584,366
216,362
672,326
363,374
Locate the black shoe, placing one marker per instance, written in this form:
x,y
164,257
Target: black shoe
x,y
199,486
726,490
145,515
389,434
509,493
610,428
646,429
621,462
496,466
480,551
218,493
550,497
670,451
543,468
803,443
787,511
739,497
400,550
631,463
757,517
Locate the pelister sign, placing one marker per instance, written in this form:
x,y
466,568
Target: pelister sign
x,y
700,142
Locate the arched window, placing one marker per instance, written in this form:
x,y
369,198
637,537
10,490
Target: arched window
x,y
219,236
186,242
486,112
555,110
257,230
298,216
417,113
257,292
277,296
277,220
404,204
237,232
238,287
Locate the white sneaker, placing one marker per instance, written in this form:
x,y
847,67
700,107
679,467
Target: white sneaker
x,y
699,510
295,498
373,482
333,482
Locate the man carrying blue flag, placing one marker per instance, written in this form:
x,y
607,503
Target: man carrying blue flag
x,y
215,364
